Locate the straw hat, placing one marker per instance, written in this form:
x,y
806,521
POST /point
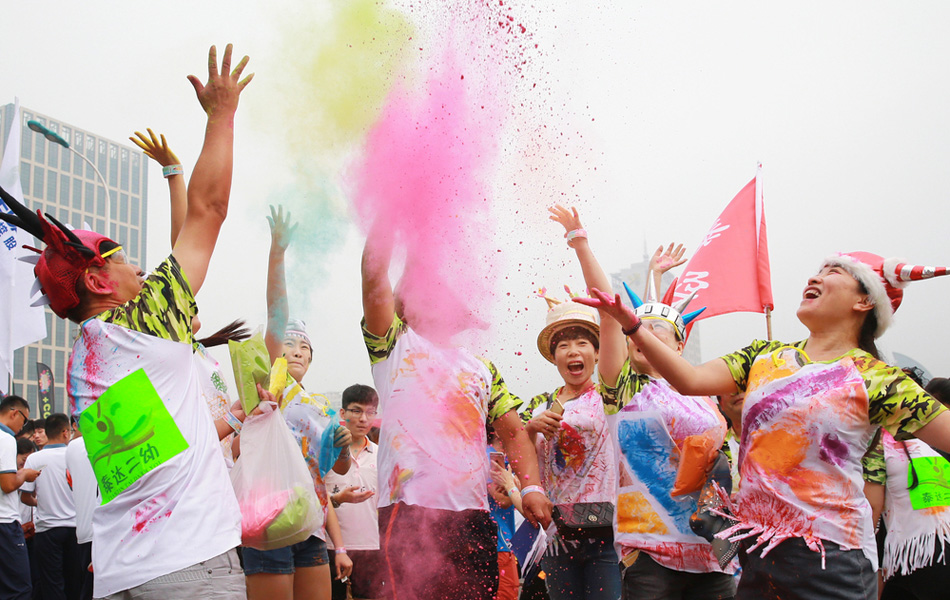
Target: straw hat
x,y
562,315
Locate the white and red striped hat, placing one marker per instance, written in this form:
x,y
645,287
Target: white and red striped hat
x,y
884,279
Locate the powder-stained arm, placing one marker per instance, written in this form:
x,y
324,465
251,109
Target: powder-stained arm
x,y
711,378
210,187
163,155
379,305
281,232
613,346
524,462
661,262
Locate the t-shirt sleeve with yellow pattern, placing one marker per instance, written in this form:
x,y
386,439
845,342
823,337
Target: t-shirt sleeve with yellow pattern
x,y
501,400
875,470
527,410
380,347
164,308
740,361
628,384
895,402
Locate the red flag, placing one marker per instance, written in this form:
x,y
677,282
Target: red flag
x,y
730,270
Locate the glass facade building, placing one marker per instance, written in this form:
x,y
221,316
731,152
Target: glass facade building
x,y
60,183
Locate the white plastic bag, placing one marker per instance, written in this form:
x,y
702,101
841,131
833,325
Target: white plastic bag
x,y
273,485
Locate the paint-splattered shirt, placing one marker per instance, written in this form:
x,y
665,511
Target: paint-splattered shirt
x,y
651,425
805,427
308,416
134,383
580,463
915,536
214,388
434,403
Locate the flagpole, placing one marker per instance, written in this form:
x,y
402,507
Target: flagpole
x,y
768,322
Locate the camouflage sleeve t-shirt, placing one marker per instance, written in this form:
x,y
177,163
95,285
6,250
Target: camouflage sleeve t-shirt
x,y
434,402
136,388
805,428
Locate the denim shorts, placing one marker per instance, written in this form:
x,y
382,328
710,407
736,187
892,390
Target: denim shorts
x,y
312,552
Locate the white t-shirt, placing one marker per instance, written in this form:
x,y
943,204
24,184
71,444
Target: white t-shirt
x,y
435,403
9,503
54,499
214,389
168,500
84,486
359,522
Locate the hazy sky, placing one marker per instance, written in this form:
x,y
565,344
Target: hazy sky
x,y
659,112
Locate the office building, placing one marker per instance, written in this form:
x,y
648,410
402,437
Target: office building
x,y
62,184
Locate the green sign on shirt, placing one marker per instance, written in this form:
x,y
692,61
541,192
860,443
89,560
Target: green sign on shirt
x,y
128,433
933,482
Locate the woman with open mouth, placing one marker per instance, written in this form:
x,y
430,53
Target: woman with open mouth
x,y
578,463
667,445
810,412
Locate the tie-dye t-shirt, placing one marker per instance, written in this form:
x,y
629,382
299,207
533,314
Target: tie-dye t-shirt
x,y
651,424
805,427
434,402
580,463
308,416
135,384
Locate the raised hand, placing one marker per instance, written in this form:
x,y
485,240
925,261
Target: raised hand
x,y
614,307
662,261
220,94
157,151
281,231
568,218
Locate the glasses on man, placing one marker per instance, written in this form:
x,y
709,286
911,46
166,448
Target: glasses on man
x,y
26,419
359,412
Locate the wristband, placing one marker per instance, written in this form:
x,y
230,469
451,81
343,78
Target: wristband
x,y
233,422
340,550
532,488
512,491
170,170
633,330
577,233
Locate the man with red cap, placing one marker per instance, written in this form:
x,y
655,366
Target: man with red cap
x,y
168,523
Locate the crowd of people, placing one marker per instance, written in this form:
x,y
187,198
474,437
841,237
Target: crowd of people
x,y
623,476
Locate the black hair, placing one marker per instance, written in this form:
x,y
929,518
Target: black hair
x,y
939,388
25,446
235,330
574,332
27,429
360,394
56,424
916,374
12,402
866,336
39,423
